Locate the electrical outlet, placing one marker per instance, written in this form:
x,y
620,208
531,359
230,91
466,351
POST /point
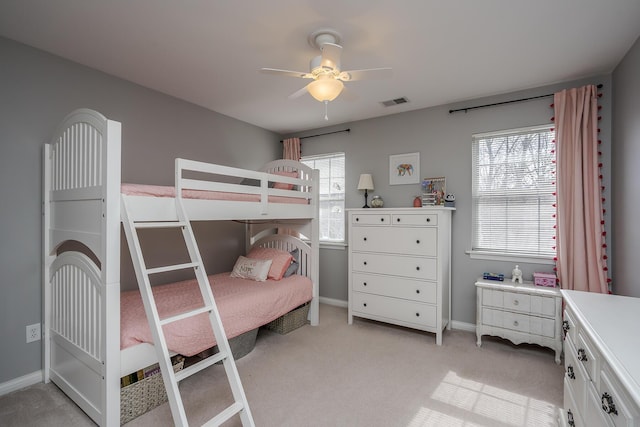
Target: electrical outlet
x,y
33,332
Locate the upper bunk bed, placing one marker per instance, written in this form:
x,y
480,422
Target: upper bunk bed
x,y
84,201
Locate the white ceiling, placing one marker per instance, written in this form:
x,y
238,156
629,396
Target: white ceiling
x,y
208,52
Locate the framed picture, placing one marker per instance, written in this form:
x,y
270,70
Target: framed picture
x,y
404,169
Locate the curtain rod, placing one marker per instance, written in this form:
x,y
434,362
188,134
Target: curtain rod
x,y
323,134
505,102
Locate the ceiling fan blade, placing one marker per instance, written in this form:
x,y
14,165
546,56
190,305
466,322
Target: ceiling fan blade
x,y
331,56
371,73
298,93
300,74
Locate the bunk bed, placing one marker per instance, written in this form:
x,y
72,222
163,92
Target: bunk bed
x,y
84,201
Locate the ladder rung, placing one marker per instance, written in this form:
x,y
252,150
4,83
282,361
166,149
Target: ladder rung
x,y
197,367
160,224
172,268
186,315
225,415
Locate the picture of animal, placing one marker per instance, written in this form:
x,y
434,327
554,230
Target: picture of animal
x,y
405,169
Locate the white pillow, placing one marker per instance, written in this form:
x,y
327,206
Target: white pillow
x,y
254,269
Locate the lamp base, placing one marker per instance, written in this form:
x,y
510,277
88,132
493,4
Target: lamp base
x,y
366,205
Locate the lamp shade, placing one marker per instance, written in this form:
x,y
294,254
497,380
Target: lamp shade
x,y
325,88
366,182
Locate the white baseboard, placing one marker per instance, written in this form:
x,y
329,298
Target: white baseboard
x,y
22,382
463,326
336,302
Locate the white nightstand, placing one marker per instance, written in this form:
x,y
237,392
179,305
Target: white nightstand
x,y
521,313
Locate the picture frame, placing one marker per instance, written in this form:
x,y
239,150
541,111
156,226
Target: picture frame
x,y
404,168
433,191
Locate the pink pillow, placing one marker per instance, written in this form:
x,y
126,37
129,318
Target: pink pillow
x,y
282,185
280,260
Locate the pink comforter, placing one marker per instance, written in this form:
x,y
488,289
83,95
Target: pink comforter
x,y
169,191
243,305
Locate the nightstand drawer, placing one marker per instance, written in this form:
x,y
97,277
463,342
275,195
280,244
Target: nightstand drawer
x,y
507,300
533,325
395,287
397,240
404,266
396,309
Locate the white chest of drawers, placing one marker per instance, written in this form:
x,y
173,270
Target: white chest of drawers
x,y
399,267
521,313
602,360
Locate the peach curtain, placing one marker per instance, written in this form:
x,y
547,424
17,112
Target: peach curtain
x,y
291,149
581,260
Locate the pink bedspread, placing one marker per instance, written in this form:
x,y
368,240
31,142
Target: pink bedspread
x,y
243,305
169,191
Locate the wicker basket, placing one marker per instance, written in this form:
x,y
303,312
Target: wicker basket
x,y
143,395
290,321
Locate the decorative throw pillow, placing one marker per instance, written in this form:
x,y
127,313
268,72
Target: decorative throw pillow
x,y
280,260
254,269
295,263
282,185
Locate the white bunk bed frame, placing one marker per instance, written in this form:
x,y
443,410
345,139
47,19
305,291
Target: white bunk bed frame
x,y
82,202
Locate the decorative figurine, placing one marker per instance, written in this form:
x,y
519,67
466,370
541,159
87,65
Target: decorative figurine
x,y
516,275
450,200
377,202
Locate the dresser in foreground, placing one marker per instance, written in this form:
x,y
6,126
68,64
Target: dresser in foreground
x,y
399,267
602,360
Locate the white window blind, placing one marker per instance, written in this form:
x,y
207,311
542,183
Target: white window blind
x,y
513,192
332,178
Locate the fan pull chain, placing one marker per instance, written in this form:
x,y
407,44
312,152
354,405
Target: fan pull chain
x,y
326,107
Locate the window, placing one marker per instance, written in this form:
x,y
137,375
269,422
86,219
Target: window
x,y
513,193
331,167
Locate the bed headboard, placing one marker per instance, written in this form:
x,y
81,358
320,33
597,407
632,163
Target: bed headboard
x,y
288,243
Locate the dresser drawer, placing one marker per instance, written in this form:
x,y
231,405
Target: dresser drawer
x,y
593,413
614,401
587,355
395,265
395,287
371,219
395,309
411,219
571,413
398,240
575,378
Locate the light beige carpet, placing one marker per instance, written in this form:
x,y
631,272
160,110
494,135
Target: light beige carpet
x,y
365,374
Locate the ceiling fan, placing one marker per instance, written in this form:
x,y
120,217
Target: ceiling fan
x,y
325,69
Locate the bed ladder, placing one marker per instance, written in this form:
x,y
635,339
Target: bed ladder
x,y
171,379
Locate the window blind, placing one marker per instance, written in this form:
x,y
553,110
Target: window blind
x,y
513,192
332,185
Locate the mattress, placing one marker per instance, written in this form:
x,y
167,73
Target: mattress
x,y
243,305
169,191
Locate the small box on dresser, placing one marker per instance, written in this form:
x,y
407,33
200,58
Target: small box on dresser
x,y
399,267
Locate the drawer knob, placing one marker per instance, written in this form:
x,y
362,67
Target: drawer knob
x,y
418,268
565,327
607,404
364,284
417,291
365,304
516,302
570,372
515,323
570,418
365,263
357,219
418,241
365,239
417,314
382,219
582,355
428,219
398,219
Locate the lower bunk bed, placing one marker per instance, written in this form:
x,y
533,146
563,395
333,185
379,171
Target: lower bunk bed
x,y
84,352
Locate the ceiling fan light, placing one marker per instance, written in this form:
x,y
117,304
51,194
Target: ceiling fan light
x,y
326,89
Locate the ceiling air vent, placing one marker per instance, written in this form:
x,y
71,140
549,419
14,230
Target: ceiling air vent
x,y
396,101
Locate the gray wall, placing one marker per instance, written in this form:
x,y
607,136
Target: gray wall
x,y
444,143
626,173
37,91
